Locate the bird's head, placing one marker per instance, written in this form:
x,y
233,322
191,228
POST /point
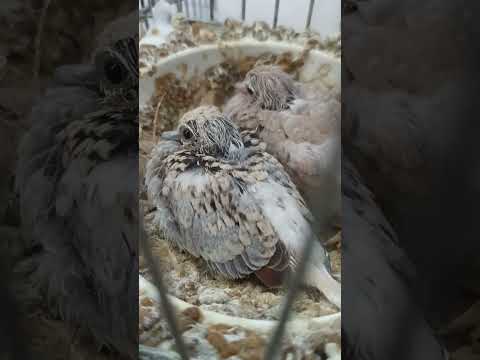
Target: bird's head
x,y
117,65
207,131
269,87
112,126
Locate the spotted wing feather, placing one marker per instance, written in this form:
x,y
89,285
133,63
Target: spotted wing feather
x,y
207,208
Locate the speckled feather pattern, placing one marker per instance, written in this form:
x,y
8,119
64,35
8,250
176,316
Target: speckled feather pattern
x,y
76,179
208,206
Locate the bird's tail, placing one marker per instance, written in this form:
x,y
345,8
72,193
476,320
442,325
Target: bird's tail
x,y
320,277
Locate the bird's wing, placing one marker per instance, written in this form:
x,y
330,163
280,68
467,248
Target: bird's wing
x,y
290,214
88,231
100,211
207,208
377,284
320,196
278,175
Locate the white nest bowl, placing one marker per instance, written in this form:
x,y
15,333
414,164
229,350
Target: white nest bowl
x,y
319,68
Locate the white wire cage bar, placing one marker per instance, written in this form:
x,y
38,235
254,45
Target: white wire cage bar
x,y
273,346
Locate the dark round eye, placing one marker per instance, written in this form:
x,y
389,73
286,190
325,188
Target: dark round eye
x,y
187,134
115,71
250,90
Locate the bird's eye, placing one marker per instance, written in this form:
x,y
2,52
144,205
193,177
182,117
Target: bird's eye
x,y
187,134
250,90
115,71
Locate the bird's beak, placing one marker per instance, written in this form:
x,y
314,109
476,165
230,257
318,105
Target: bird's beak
x,y
170,135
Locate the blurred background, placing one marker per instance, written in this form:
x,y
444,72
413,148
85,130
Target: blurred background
x,y
325,17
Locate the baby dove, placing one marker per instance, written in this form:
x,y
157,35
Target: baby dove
x,y
300,126
77,183
220,197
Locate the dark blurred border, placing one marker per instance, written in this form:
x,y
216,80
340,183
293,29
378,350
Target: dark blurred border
x,y
37,36
398,57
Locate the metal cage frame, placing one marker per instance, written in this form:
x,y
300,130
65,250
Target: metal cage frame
x,y
293,285
146,7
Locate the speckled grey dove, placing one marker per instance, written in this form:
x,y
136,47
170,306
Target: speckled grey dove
x,y
220,197
300,125
77,179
